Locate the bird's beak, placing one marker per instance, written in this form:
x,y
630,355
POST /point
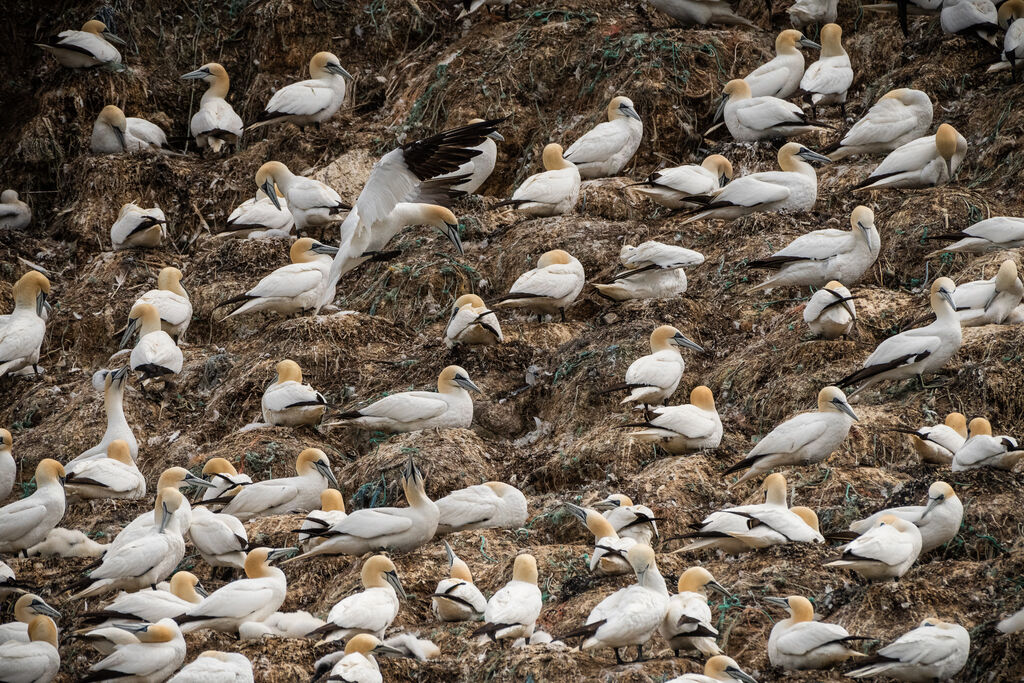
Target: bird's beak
x,y
932,503
198,481
778,602
62,480
845,407
41,304
111,38
337,70
948,296
640,574
196,75
718,588
325,470
268,189
807,42
813,156
396,583
165,519
721,108
450,553
863,227
280,552
132,628
451,231
40,607
495,135
949,167
320,248
679,340
606,504
201,591
129,332
723,180
120,374
991,299
120,136
740,675
467,384
387,651
577,512
630,112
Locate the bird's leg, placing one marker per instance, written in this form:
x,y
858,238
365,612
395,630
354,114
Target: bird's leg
x,y
639,653
937,385
508,10
901,12
35,368
618,657
562,311
676,652
540,317
842,109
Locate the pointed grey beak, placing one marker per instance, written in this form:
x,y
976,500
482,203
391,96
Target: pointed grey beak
x,y
641,573
40,607
120,374
111,38
718,588
845,407
387,651
133,628
165,519
197,481
396,583
863,227
807,42
740,675
268,189
197,75
201,591
630,112
813,156
280,552
467,384
723,180
721,108
932,504
450,553
129,332
119,134
577,512
320,248
949,167
337,70
41,304
606,504
991,299
452,233
495,135
679,340
948,296
325,470
778,602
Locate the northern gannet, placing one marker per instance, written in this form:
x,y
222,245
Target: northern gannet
x,y
989,302
107,639
259,218
718,668
806,12
550,287
215,124
687,623
605,149
331,512
358,664
220,538
115,476
173,477
311,203
972,18
934,651
472,324
905,7
917,351
480,167
36,661
672,187
609,556
112,384
513,610
171,302
886,550
280,625
159,650
938,521
629,521
925,162
800,642
86,48
936,444
652,271
828,79
137,228
210,666
451,407
713,531
695,426
652,379
777,527
794,188
25,522
984,450
804,439
370,611
780,77
492,505
300,493
155,354
750,118
61,542
26,608
288,402
1013,42
9,583
8,468
14,213
1001,233
114,133
253,598
551,193
456,598
22,333
831,313
899,117
701,12
311,101
148,605
224,479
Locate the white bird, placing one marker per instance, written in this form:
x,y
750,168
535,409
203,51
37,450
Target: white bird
x,y
65,543
253,598
552,286
629,521
780,77
672,187
288,402
331,512
280,625
113,477
358,665
114,133
291,289
491,505
172,477
159,650
886,550
26,608
22,332
984,450
938,521
551,193
171,302
652,271
805,439
718,668
224,480
410,645
259,218
470,6
936,444
695,426
370,611
25,522
480,167
1012,623
631,615
934,651
898,117
8,468
806,12
112,384
794,188
137,227
928,161
86,48
1013,41
992,234
311,101
831,76
9,583
311,203
149,605
800,642
770,527
687,623
155,354
713,531
36,661
652,379
701,12
456,598
605,149
989,302
472,324
215,124
918,351
831,313
300,493
14,213
609,556
972,18
220,538
750,118
451,407
216,667
513,610
905,7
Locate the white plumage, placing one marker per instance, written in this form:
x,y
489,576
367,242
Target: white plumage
x,y
936,444
159,649
86,48
800,642
14,213
984,450
925,162
604,150
683,429
471,324
300,493
26,608
114,133
899,117
938,521
112,384
550,287
672,187
331,512
216,123
780,77
609,556
8,468
115,476
513,610
172,303
22,332
831,313
310,202
259,218
628,520
652,271
750,118
137,227
972,18
687,622
989,302
456,598
148,605
216,667
61,542
280,625
831,76
25,522
220,538
934,651
493,505
480,167
806,12
713,531
290,403
224,480
311,101
701,12
1001,233
155,354
716,669
886,550
551,193
652,379
36,661
370,611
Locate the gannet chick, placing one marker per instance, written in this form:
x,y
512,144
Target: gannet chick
x,y
22,334
114,133
112,384
311,101
456,598
115,476
220,538
300,493
472,324
224,479
512,612
806,12
652,271
780,77
36,661
171,302
687,624
701,12
25,522
750,118
831,313
937,444
928,161
605,149
972,18
288,402
159,651
1013,42
492,505
331,512
800,642
989,302
259,218
212,665
155,354
358,664
778,527
887,550
26,609
984,450
480,167
137,228
554,284
672,187
695,426
310,202
215,124
294,288
794,188
916,352
86,48
280,625
629,521
370,611
899,117
938,521
8,468
992,234
609,556
631,615
719,667
253,598
805,439
14,213
65,543
1012,623
934,651
831,76
412,411
713,532
652,379
551,193
152,605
